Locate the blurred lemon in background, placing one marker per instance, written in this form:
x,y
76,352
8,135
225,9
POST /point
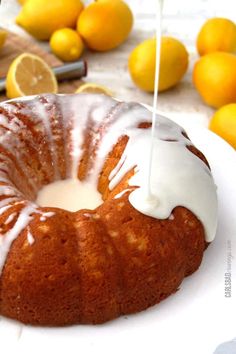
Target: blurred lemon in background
x,y
28,74
173,63
223,123
214,76
105,24
67,44
90,87
3,36
42,17
22,1
217,34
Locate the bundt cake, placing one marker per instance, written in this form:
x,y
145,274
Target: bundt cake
x,y
59,267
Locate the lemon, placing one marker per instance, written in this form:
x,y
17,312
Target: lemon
x,y
173,63
42,17
217,34
214,76
3,35
22,1
66,44
28,74
223,123
105,24
90,87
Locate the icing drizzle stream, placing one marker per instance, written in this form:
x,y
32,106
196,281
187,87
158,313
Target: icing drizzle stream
x,y
149,198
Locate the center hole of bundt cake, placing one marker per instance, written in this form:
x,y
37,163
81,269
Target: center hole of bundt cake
x,y
69,194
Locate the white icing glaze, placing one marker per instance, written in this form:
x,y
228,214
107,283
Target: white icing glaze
x,y
69,194
40,110
21,223
15,146
9,191
25,216
149,196
30,237
178,177
119,195
48,214
5,204
83,110
10,218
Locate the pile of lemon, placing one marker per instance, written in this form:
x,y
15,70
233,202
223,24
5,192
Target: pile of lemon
x,y
69,27
101,26
105,24
214,74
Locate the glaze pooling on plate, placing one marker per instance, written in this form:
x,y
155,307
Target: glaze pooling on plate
x,y
179,178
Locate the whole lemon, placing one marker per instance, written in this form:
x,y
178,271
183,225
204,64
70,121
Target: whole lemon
x,y
214,76
42,17
217,34
173,64
105,24
67,44
223,123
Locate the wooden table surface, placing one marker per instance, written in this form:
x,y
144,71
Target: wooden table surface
x,y
182,19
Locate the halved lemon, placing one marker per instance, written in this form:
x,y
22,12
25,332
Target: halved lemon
x,y
29,74
90,87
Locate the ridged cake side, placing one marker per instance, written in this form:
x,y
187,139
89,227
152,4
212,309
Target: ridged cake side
x,y
92,265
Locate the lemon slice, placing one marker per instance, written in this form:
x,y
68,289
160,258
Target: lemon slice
x,y
30,75
90,87
3,35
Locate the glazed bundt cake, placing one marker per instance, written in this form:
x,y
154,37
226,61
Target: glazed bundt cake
x,y
59,267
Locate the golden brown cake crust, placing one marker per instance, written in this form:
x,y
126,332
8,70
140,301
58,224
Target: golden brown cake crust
x,y
93,266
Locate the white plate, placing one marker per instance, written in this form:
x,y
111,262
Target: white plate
x,y
195,320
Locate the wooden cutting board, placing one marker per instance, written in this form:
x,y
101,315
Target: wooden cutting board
x,y
16,45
